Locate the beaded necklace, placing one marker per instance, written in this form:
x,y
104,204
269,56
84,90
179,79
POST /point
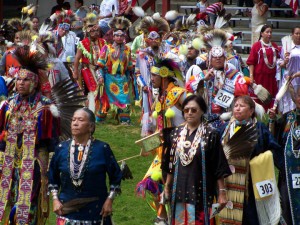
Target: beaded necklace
x,y
187,158
265,54
77,169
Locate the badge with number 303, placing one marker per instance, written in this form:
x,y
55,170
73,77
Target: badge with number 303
x,y
265,188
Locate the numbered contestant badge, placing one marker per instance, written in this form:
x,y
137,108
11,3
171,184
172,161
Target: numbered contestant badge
x,y
296,180
265,188
225,95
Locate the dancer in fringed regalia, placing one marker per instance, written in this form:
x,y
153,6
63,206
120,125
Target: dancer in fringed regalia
x,y
220,84
153,29
253,196
286,130
115,70
29,131
167,112
88,52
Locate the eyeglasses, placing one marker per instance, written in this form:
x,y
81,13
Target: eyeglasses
x,y
192,110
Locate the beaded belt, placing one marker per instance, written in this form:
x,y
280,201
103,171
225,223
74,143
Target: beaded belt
x,y
64,221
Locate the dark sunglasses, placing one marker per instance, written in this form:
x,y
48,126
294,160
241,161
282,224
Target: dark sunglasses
x,y
192,110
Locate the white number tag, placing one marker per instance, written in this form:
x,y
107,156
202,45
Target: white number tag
x,y
296,180
265,188
223,98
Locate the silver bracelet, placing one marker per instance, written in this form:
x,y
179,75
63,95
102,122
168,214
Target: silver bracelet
x,y
112,195
222,189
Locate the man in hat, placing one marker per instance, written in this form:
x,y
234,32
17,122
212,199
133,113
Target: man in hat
x,y
28,132
116,67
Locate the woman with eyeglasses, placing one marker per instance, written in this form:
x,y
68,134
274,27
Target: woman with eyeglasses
x,y
239,152
196,164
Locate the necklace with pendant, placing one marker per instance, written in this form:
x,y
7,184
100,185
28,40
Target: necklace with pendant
x,y
187,158
77,169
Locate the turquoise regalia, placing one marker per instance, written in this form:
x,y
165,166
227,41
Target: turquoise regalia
x,y
116,66
288,135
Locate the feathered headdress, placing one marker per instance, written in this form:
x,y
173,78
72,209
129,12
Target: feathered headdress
x,y
48,40
31,59
220,23
90,20
64,17
156,24
186,24
18,25
215,41
167,68
28,12
119,23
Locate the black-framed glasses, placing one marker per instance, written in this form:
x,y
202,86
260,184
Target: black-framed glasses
x,y
192,110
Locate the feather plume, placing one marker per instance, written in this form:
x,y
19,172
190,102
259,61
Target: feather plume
x,y
26,36
90,19
186,24
258,29
25,9
32,61
191,19
138,11
197,43
171,15
282,91
54,110
262,93
259,111
119,23
225,116
9,44
222,19
242,143
67,97
16,24
171,65
149,24
183,49
126,172
91,99
156,16
216,37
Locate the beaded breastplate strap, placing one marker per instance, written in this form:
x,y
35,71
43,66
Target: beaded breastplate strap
x,y
23,119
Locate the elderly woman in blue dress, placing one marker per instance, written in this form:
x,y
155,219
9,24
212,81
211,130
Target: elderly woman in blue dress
x,y
77,177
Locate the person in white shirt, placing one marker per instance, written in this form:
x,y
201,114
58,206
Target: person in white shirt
x,y
108,9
